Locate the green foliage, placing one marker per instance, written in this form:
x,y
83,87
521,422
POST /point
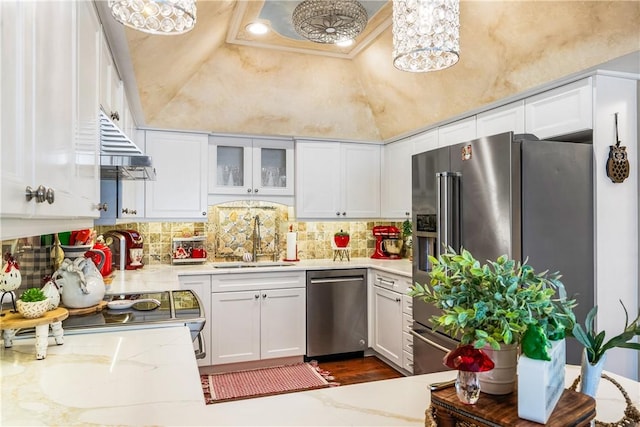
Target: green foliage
x,y
594,342
341,233
495,302
33,295
407,228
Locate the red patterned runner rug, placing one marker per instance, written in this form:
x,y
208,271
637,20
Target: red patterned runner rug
x,y
263,382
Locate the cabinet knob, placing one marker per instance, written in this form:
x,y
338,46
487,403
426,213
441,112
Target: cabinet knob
x,y
50,195
398,300
337,213
256,296
344,214
264,295
204,213
102,207
38,193
255,190
248,190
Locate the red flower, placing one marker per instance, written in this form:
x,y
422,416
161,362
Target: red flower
x,y
468,358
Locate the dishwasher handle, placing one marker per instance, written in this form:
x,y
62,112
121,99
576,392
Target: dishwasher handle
x,y
337,280
429,342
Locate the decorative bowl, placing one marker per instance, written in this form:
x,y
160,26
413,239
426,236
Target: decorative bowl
x,y
33,310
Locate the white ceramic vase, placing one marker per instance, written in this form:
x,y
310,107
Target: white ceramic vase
x,y
503,377
590,374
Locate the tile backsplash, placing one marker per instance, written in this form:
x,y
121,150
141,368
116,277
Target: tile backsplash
x,y
229,234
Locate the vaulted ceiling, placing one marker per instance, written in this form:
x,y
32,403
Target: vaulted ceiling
x,y
218,78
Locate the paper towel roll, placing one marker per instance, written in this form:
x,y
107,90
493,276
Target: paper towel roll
x,y
291,246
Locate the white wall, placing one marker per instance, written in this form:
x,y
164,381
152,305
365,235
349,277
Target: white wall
x,y
616,216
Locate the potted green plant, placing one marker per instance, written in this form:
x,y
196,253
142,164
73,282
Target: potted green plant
x,y
407,231
492,305
595,347
341,239
33,303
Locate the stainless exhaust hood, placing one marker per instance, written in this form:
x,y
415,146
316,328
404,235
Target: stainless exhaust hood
x,y
121,158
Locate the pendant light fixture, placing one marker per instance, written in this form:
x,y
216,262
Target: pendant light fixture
x,y
329,21
425,34
166,17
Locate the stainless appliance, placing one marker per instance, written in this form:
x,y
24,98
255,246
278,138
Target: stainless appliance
x,y
179,307
336,312
503,194
118,245
121,158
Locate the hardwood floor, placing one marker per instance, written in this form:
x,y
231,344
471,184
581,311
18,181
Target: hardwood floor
x,y
358,370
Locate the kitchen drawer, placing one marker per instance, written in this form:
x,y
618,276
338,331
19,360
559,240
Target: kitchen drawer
x,y
407,322
407,342
391,281
407,361
259,280
407,305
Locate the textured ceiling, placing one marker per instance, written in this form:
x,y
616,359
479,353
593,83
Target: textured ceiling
x,y
216,79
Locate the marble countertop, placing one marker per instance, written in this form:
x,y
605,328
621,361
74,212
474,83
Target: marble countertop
x,y
150,377
161,277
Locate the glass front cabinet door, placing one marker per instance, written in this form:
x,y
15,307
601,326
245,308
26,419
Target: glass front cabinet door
x,y
251,166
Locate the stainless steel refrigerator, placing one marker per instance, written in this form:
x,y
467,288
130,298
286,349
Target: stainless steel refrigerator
x,y
503,194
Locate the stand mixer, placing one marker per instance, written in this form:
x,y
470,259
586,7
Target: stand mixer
x,y
388,242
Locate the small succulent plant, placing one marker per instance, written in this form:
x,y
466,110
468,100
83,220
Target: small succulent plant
x,y
33,295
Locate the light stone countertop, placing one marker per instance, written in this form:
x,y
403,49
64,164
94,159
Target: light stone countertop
x,y
161,277
150,377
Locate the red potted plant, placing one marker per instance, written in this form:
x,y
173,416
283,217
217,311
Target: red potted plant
x,y
341,239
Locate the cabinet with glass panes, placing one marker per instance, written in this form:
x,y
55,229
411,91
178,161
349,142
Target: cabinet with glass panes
x,y
249,166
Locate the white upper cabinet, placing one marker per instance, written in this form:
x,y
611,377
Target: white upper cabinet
x,y
111,87
180,190
337,180
255,167
49,114
396,187
507,118
456,132
561,111
425,141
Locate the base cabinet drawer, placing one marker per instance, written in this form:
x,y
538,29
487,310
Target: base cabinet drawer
x,y
407,361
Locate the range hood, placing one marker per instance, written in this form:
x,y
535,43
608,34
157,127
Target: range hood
x,y
121,158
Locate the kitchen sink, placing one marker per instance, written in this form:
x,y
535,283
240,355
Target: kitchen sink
x,y
258,264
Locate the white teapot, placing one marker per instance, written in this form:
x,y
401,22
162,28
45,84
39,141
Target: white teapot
x,y
81,284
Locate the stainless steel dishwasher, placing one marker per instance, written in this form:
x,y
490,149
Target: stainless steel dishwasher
x,y
336,311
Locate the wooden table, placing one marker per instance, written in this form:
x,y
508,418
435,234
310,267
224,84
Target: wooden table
x,y
573,409
11,322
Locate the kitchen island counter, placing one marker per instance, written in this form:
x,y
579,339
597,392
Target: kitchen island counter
x,y
161,277
150,377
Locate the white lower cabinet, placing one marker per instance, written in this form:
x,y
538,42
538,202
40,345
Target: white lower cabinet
x,y
387,324
392,318
201,286
260,319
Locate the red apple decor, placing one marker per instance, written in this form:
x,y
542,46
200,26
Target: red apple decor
x,y
341,239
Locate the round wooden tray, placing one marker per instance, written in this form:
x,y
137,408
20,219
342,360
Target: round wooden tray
x,y
87,310
16,321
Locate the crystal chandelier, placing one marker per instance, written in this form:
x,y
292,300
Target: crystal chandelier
x,y
155,16
329,21
425,34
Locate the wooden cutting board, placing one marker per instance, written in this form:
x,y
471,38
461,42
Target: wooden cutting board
x,y
87,310
16,321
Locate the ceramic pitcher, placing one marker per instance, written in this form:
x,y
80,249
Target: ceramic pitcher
x,y
81,284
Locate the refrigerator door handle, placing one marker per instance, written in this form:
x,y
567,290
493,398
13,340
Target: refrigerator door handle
x,y
447,210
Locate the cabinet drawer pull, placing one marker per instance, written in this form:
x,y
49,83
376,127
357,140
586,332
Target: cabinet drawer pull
x,y
50,195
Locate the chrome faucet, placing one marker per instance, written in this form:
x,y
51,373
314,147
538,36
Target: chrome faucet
x,y
256,238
